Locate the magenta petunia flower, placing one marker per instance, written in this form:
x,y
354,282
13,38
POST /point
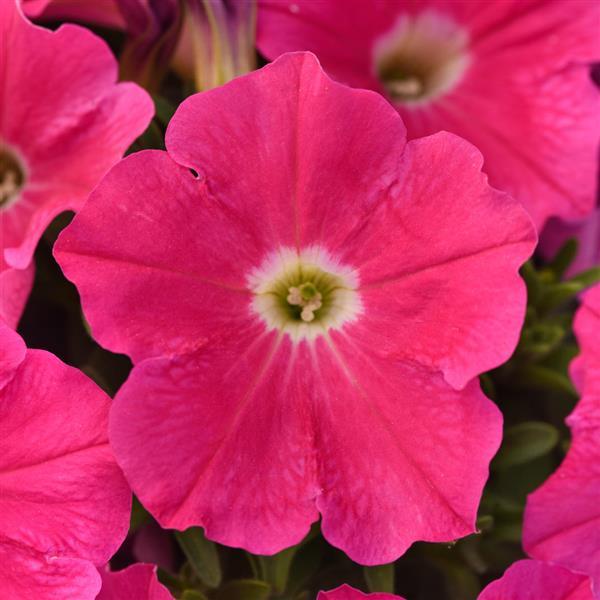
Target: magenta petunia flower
x,y
345,592
562,517
137,582
63,122
512,77
318,300
64,504
535,580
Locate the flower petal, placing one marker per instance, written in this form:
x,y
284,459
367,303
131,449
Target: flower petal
x,y
562,517
345,592
27,573
137,582
62,492
439,263
175,262
533,580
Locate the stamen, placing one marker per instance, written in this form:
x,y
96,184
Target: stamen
x,y
304,294
308,297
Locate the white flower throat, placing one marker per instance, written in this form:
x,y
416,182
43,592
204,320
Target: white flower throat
x,y
304,294
12,177
422,57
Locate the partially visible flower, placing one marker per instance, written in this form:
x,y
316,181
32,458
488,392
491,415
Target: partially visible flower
x,y
137,582
152,28
511,76
63,123
535,580
562,517
217,41
208,42
587,234
312,321
345,592
64,504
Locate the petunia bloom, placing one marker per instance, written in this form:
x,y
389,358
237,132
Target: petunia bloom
x,y
308,299
562,517
63,122
512,77
64,504
345,592
137,582
535,580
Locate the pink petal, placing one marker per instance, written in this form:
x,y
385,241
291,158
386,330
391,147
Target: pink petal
x,y
274,129
62,493
137,582
345,592
85,112
536,120
562,517
27,573
402,455
250,431
12,353
534,580
176,240
439,279
15,287
231,435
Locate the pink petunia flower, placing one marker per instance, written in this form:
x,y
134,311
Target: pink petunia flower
x,y
318,300
512,77
137,582
345,592
64,504
562,517
63,122
535,580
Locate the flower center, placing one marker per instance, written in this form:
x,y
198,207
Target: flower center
x,y
304,294
12,177
421,58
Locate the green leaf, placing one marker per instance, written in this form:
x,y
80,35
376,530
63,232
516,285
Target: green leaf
x,y
139,515
201,554
380,578
164,109
543,378
245,589
276,569
564,257
525,442
557,294
532,281
587,278
192,595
